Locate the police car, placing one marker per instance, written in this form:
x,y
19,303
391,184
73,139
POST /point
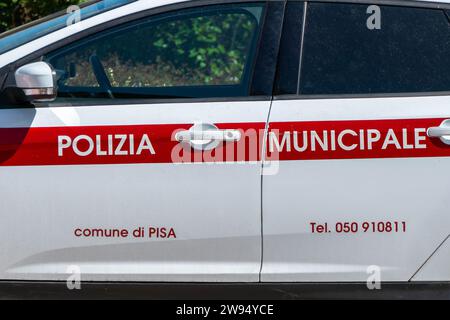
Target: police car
x,y
227,141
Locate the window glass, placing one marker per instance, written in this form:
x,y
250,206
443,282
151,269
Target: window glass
x,y
189,53
360,49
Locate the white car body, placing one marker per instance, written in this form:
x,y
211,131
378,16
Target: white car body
x,y
235,221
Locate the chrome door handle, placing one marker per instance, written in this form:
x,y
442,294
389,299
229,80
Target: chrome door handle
x,y
442,132
438,132
218,135
207,136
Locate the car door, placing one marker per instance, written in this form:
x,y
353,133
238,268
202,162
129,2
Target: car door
x,y
361,189
142,169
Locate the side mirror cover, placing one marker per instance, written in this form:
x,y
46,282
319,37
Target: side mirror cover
x,y
37,81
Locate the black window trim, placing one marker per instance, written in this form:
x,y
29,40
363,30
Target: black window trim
x,y
288,37
302,41
266,62
8,70
398,3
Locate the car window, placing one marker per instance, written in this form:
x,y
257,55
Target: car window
x,y
200,52
29,32
347,52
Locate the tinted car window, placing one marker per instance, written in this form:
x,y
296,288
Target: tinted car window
x,y
189,53
410,52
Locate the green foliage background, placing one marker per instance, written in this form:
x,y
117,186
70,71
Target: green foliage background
x,y
14,13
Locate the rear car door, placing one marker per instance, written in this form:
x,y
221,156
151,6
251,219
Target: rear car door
x,y
360,129
141,170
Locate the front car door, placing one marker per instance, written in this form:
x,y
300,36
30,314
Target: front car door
x,y
137,172
361,188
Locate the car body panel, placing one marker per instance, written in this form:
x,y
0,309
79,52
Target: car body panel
x,y
355,186
59,197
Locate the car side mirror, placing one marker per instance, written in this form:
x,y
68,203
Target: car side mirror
x,y
37,81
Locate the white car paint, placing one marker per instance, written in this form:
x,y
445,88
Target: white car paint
x,y
436,268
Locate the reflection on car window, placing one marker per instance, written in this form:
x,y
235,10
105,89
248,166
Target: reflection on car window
x,y
20,36
188,48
